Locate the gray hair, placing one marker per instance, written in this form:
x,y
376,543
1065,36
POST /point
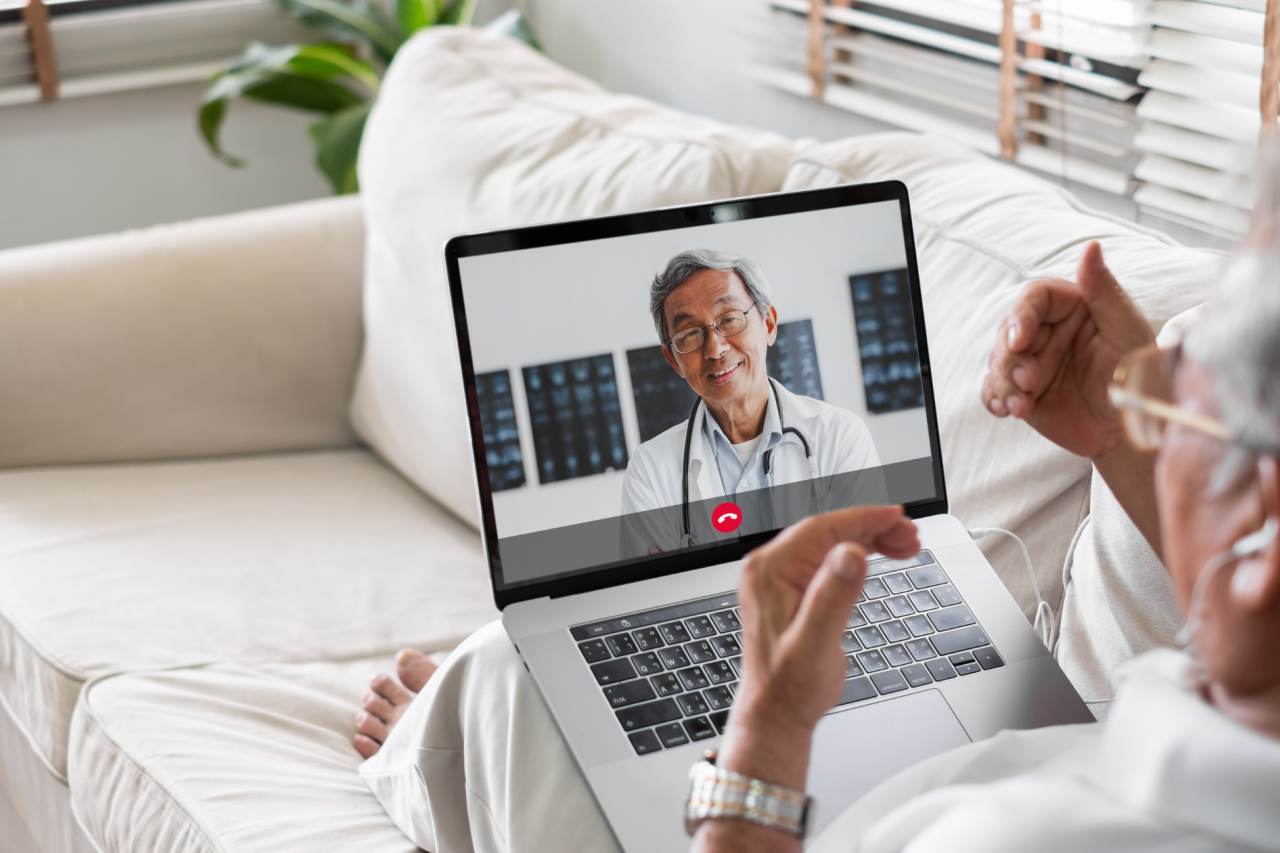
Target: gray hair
x,y
1238,333
683,266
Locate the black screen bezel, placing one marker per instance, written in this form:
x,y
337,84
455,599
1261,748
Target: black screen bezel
x,y
666,219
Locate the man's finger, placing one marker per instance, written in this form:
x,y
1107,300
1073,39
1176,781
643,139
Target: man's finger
x,y
1044,301
1098,286
824,610
801,549
1032,374
1001,397
1117,316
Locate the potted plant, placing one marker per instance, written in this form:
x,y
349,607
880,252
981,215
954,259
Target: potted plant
x,y
337,79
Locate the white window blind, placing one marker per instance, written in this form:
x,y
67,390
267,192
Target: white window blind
x,y
1200,117
139,46
1154,100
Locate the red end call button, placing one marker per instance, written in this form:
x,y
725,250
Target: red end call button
x,y
726,517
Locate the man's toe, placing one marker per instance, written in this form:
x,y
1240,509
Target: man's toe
x,y
369,725
414,669
366,746
381,708
386,687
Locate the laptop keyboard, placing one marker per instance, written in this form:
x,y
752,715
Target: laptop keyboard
x,y
670,674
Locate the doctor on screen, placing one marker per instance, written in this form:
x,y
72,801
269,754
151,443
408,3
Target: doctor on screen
x,y
747,437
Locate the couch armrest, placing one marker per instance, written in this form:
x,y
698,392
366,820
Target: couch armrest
x,y
238,334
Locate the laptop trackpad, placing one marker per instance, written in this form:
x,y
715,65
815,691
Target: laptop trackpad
x,y
857,749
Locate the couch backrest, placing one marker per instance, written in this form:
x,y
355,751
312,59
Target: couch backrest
x,y
238,334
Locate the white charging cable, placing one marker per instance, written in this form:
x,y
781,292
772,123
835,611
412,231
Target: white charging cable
x,y
1044,623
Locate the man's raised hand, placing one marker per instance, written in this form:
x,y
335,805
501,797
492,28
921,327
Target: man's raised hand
x,y
1056,352
795,596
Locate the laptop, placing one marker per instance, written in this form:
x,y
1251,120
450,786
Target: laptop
x,y
615,545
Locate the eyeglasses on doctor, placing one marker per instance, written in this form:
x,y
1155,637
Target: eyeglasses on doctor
x,y
726,325
1142,390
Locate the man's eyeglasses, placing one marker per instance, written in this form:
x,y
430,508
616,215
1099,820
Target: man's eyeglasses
x,y
726,325
1143,392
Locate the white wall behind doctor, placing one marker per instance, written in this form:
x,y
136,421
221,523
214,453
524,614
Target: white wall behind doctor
x,y
558,303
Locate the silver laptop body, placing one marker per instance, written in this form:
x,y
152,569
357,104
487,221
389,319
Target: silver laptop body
x,y
637,655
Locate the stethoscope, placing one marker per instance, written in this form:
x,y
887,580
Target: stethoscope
x,y
688,538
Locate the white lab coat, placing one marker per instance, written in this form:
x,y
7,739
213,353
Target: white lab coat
x,y
839,442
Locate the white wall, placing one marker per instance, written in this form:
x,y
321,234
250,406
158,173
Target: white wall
x,y
100,164
601,292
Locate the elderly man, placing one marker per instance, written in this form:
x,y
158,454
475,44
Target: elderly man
x,y
1189,758
747,434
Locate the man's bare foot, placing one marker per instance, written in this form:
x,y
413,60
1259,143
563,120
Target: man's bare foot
x,y
387,699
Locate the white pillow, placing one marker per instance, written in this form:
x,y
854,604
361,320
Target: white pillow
x,y
472,132
982,230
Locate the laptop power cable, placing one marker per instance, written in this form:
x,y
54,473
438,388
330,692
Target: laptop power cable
x,y
1045,625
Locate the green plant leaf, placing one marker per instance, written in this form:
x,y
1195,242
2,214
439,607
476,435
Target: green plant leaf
x,y
301,77
458,12
413,15
356,22
337,142
302,93
326,61
513,25
210,119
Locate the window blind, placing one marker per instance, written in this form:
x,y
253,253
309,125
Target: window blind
x,y
1200,117
138,46
1154,100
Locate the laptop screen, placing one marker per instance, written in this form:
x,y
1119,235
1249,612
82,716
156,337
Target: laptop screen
x,y
681,383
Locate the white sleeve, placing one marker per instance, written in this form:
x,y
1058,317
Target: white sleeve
x,y
861,447
855,451
643,529
846,446
637,489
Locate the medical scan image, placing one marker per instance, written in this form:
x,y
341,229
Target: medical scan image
x,y
679,389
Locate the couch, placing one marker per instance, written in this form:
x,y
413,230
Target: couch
x,y
234,473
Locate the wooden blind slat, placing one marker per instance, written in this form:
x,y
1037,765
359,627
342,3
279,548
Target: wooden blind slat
x,y
1007,125
817,33
36,16
1270,101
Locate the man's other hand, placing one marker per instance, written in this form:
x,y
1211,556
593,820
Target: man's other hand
x,y
795,596
1056,352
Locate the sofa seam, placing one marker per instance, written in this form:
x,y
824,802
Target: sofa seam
x,y
84,829
92,716
49,657
31,740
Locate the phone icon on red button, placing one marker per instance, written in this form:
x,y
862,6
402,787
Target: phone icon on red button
x,y
726,517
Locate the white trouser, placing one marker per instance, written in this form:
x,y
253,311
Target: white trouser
x,y
477,764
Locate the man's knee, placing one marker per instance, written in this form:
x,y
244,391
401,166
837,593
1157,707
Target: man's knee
x,y
487,650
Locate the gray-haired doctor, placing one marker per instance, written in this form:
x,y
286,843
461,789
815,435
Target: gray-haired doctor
x,y
748,440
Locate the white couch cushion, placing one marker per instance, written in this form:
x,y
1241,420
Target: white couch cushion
x,y
982,230
473,132
309,556
228,759
236,334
